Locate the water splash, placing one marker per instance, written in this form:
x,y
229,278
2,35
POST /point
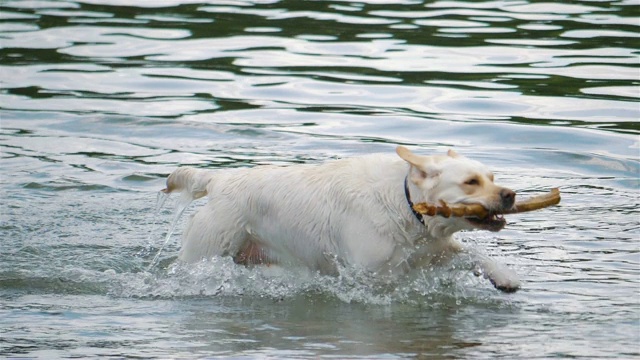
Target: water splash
x,y
161,198
221,277
181,205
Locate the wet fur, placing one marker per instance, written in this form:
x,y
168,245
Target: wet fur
x,y
352,211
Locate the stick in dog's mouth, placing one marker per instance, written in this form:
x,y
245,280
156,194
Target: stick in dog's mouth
x,y
485,219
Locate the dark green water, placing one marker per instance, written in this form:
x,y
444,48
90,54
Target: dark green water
x,y
101,99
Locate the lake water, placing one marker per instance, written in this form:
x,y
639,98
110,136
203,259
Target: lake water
x,y
102,99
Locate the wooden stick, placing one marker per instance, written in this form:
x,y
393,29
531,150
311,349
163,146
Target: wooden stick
x,y
476,210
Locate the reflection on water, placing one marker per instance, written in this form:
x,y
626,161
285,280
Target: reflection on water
x,y
101,99
531,62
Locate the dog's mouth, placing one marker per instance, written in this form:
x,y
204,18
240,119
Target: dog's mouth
x,y
492,222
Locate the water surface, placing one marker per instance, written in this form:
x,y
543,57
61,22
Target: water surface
x,y
102,99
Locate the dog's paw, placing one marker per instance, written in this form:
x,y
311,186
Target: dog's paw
x,y
504,280
506,288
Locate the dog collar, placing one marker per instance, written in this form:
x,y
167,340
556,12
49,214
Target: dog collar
x,y
408,196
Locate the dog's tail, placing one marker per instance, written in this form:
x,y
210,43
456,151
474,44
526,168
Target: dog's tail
x,y
190,180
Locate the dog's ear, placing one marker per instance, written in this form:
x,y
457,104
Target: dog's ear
x,y
452,153
422,167
409,157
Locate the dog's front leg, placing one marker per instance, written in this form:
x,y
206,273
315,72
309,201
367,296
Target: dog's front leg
x,y
503,278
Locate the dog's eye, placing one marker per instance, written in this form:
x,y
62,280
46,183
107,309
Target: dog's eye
x,y
473,182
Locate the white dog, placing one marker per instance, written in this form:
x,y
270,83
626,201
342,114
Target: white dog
x,y
355,211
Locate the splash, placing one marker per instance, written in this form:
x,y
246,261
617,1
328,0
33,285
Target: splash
x,y
181,205
221,277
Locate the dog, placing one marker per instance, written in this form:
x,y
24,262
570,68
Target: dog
x,y
354,211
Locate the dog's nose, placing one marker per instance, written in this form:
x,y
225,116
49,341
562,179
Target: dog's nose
x,y
508,198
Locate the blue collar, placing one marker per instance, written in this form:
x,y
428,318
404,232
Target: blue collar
x,y
408,196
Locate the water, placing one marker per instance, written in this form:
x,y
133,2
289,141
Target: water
x,y
102,99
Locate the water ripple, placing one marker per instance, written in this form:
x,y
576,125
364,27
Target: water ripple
x,y
101,99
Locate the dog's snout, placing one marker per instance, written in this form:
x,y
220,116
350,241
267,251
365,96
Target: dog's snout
x,y
508,198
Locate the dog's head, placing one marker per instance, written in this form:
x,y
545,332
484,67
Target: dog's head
x,y
455,179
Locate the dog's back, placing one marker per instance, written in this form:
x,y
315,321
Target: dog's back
x,y
304,214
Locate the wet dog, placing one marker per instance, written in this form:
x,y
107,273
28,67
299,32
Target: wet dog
x,y
355,211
